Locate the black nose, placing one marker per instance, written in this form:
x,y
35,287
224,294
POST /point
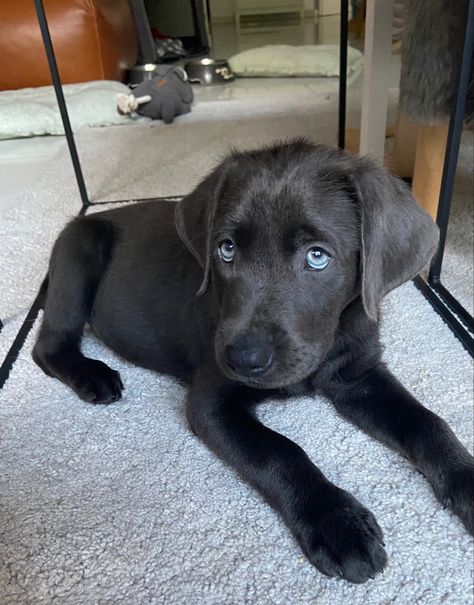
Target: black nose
x,y
249,355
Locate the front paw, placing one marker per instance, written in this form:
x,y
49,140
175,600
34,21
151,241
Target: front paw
x,y
457,493
342,539
95,382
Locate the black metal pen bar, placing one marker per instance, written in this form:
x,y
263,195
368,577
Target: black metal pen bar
x,y
53,68
23,332
453,143
452,320
456,316
344,28
454,305
165,198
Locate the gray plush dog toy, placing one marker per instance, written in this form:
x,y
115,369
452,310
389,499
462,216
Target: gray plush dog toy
x,y
166,95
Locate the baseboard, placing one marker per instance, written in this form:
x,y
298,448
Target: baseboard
x,y
227,19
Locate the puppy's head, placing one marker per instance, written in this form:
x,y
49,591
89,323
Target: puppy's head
x,y
287,237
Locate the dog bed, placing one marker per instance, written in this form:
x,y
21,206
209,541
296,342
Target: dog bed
x,y
34,111
284,60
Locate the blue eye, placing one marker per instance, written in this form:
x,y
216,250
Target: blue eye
x,y
317,259
226,251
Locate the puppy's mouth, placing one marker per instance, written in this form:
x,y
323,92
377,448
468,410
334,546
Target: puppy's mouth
x,y
258,378
265,378
255,381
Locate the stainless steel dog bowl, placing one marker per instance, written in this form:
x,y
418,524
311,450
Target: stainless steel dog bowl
x,y
140,73
209,71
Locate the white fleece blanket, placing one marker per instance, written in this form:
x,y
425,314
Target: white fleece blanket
x,y
122,504
31,112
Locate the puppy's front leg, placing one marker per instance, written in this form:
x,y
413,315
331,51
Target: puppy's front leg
x,y
382,407
337,534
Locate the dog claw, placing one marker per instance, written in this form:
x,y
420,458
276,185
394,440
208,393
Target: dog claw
x,y
447,503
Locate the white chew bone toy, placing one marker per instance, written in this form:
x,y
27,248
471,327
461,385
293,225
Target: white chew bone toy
x,y
129,103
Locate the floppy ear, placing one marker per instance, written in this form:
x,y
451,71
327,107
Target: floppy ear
x,y
399,238
194,218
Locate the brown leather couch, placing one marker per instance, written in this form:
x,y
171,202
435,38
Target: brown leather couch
x,y
92,39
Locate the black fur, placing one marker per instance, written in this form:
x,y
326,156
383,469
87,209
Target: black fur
x,y
263,324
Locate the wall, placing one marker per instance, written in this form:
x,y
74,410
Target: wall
x,y
224,9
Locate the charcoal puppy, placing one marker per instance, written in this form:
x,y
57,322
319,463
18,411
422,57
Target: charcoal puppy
x,y
264,281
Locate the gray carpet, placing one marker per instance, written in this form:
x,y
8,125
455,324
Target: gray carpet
x,y
122,504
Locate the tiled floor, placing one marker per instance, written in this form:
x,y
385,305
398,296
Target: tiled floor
x,y
227,42
253,88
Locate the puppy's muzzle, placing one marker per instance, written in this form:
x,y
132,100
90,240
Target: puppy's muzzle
x,y
249,355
